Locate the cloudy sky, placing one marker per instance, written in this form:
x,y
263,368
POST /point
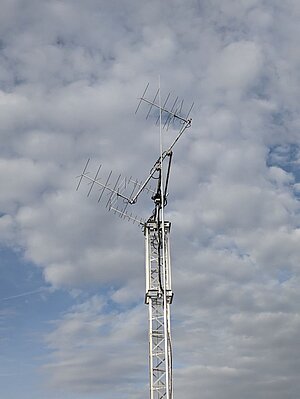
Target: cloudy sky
x,y
72,319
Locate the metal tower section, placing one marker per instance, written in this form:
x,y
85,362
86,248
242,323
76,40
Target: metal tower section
x,y
125,192
159,296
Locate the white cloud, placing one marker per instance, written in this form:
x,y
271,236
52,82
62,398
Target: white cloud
x,y
89,351
237,67
70,74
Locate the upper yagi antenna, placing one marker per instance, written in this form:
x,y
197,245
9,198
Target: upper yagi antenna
x,y
175,112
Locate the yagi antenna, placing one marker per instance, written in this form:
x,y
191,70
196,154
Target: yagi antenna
x,y
169,115
115,190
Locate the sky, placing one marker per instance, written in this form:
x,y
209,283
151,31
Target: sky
x,y
73,323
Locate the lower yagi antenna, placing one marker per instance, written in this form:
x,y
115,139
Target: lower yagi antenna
x,y
118,192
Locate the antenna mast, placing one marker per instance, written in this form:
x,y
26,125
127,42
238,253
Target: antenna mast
x,y
159,294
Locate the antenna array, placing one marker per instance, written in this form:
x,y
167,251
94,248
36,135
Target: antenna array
x,y
119,189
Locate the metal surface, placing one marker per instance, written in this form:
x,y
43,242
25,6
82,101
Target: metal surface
x,y
158,297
